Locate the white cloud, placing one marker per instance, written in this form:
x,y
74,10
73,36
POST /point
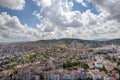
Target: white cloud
x,y
60,14
59,21
43,2
82,2
13,4
67,22
12,29
109,6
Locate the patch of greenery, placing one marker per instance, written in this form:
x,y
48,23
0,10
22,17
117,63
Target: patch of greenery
x,y
100,52
70,64
110,58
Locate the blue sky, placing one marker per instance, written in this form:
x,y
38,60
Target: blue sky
x,y
26,15
85,19
82,9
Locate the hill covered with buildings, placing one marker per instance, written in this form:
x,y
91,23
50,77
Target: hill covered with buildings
x,y
65,58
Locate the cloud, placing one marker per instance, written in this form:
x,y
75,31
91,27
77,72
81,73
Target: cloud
x,y
8,22
12,29
58,20
13,4
43,2
82,2
110,6
60,14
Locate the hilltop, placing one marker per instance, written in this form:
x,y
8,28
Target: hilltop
x,y
90,43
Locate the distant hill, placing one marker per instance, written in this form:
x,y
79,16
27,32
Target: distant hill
x,y
90,43
102,39
53,44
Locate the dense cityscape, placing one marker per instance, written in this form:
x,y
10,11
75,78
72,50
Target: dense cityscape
x,y
65,59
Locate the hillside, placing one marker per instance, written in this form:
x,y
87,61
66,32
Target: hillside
x,y
56,53
67,41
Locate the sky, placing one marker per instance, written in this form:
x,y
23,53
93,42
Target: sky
x,y
31,20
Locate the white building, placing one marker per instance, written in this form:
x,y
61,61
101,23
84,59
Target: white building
x,y
98,64
95,74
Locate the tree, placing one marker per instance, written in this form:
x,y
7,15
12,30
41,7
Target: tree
x,y
114,59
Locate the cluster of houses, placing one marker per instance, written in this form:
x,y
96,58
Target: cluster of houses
x,y
60,74
49,71
51,68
